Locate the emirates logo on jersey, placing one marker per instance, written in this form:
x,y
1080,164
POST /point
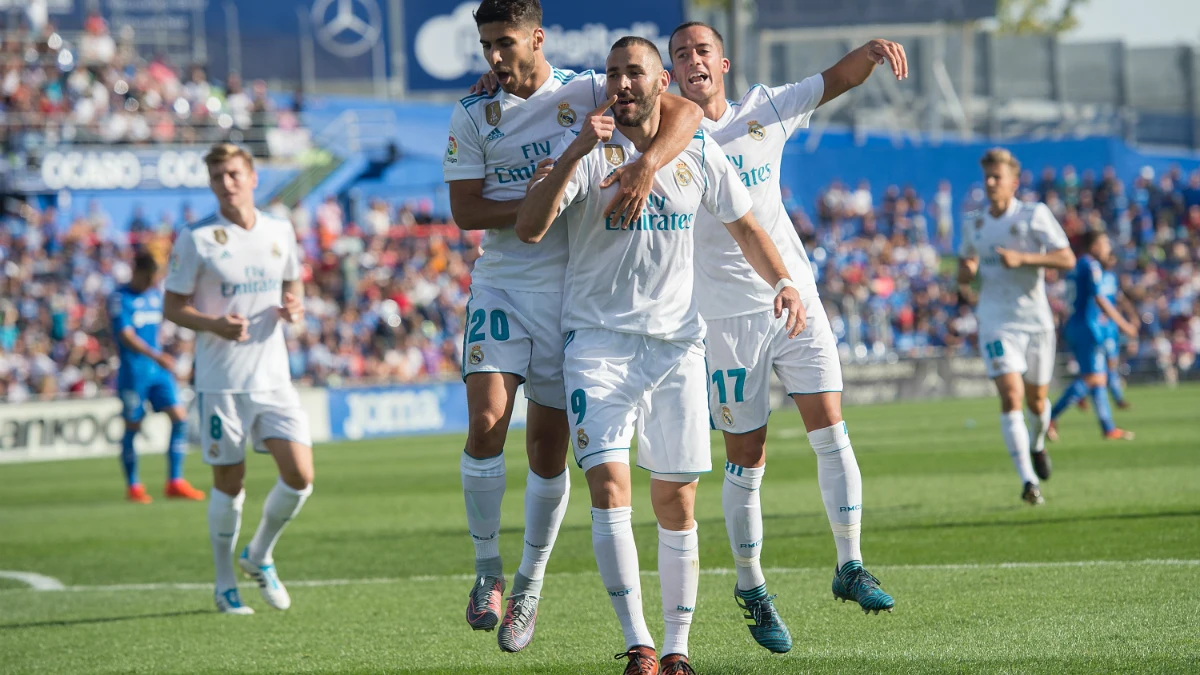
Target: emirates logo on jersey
x,y
492,113
566,116
756,130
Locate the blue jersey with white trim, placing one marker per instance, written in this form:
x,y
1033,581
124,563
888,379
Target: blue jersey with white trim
x,y
142,311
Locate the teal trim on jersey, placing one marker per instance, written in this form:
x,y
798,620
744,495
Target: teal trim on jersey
x,y
462,361
743,433
569,339
579,461
813,393
699,135
494,372
772,102
468,101
703,140
712,425
552,407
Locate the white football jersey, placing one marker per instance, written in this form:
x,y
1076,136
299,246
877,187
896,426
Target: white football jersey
x,y
752,134
231,270
638,278
1012,299
501,138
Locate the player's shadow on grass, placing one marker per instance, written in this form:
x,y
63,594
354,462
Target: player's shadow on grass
x,y
102,619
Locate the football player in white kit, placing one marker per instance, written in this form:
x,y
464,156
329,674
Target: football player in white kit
x,y
1009,245
634,353
235,280
512,332
746,342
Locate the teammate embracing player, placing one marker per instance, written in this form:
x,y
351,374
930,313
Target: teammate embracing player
x,y
635,355
235,280
746,341
1009,245
513,318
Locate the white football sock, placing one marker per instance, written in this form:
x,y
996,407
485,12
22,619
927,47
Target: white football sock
x,y
283,503
1016,437
1039,424
545,506
616,556
743,522
483,490
679,574
841,488
224,520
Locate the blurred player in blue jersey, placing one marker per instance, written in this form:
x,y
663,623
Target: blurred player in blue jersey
x,y
145,376
1111,289
1086,332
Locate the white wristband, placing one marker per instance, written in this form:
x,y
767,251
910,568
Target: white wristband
x,y
784,283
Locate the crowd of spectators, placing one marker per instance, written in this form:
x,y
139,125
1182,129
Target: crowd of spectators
x,y
387,284
94,87
887,271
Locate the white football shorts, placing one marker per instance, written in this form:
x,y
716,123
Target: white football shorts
x,y
517,332
1030,353
619,381
227,419
742,352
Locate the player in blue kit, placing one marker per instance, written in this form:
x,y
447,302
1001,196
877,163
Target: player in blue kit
x,y
1086,332
1110,287
146,376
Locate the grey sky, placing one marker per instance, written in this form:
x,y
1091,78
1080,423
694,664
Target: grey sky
x,y
1139,22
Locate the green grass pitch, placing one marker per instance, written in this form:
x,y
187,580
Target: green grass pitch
x,y
1103,578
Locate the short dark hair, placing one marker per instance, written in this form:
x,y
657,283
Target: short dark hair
x,y
1089,239
695,24
638,41
514,12
145,261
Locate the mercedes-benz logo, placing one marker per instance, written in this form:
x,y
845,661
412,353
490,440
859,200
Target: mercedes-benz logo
x,y
343,31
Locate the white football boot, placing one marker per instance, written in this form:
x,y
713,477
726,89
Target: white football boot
x,y
265,576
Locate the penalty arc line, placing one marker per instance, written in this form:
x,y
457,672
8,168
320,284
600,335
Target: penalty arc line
x,y
45,583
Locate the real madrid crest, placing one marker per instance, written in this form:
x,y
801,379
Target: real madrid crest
x,y
220,235
615,154
492,113
726,415
683,176
275,252
581,439
476,356
757,132
212,450
566,115
1014,230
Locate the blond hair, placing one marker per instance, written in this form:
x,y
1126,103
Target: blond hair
x,y
223,152
997,156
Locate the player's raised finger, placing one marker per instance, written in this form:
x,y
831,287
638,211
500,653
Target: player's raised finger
x,y
612,100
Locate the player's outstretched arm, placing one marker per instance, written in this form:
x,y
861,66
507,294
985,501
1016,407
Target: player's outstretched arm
x,y
178,310
857,66
1061,259
764,257
1111,312
680,120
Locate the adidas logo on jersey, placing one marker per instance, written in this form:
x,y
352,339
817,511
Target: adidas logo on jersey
x,y
495,135
226,255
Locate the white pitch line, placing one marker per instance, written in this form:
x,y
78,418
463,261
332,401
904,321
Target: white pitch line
x,y
37,582
715,571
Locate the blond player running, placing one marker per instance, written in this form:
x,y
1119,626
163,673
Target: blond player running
x,y
235,280
1009,245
